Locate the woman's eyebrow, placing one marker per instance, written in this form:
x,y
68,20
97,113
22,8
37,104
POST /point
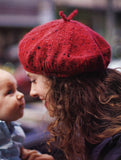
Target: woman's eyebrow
x,y
30,76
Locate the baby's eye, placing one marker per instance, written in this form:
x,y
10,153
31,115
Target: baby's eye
x,y
10,91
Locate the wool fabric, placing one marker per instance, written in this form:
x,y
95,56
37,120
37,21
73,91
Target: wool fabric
x,y
63,48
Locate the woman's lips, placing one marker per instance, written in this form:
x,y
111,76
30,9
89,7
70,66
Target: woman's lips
x,y
46,104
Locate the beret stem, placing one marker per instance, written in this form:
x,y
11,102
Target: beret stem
x,y
72,14
61,13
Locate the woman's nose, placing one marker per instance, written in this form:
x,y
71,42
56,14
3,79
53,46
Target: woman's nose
x,y
33,92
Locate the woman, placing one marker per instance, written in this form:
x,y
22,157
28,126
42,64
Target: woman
x,y
66,62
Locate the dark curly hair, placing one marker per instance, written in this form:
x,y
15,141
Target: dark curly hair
x,y
86,108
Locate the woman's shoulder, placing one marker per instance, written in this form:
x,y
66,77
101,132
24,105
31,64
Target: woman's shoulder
x,y
108,149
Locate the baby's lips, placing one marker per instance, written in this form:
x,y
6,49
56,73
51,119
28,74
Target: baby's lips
x,y
22,105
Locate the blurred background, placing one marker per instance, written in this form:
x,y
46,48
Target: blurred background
x,y
17,17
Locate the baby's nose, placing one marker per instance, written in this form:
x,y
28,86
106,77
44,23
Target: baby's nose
x,y
20,95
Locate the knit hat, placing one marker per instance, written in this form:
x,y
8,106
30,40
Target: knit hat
x,y
63,48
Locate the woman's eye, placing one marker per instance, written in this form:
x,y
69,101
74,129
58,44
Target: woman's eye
x,y
33,81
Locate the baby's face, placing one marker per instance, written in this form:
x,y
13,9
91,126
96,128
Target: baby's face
x,y
40,86
11,100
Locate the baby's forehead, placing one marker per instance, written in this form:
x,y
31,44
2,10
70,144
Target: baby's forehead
x,y
4,71
6,78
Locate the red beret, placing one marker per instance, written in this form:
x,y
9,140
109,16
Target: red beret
x,y
63,48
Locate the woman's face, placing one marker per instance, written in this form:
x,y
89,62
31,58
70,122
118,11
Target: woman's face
x,y
40,86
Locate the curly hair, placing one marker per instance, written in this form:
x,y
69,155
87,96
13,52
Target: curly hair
x,y
86,108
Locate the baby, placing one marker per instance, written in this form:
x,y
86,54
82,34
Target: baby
x,y
11,109
12,136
